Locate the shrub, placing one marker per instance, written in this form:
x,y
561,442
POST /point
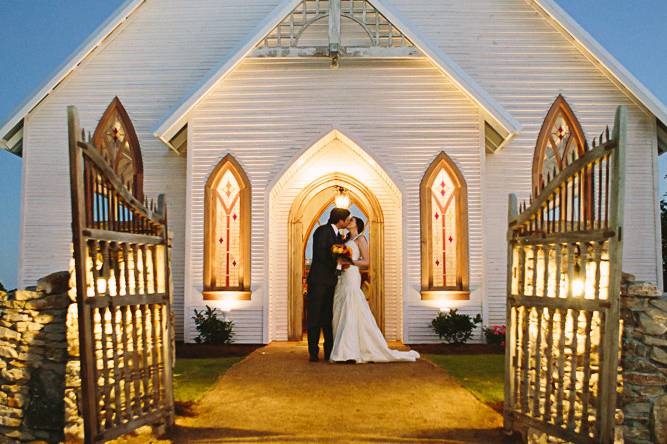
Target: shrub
x,y
211,329
454,328
495,335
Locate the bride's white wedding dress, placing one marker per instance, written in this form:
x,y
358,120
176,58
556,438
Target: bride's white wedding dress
x,y
356,335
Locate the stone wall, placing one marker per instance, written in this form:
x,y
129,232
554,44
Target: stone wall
x,y
644,363
73,396
33,361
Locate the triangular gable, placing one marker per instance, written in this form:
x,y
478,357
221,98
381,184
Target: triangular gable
x,y
584,41
499,119
351,28
11,131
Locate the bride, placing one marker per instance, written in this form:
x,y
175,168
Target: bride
x,y
356,335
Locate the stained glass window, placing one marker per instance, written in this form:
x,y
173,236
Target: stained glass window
x,y
561,137
444,227
443,233
117,141
227,231
228,228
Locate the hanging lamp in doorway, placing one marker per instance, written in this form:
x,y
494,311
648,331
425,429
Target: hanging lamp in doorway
x,y
342,199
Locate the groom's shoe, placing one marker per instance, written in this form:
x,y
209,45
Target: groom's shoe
x,y
313,358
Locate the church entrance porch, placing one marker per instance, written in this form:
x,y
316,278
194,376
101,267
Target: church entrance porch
x,y
298,201
311,209
416,402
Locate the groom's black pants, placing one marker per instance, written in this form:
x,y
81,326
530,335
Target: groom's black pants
x,y
320,317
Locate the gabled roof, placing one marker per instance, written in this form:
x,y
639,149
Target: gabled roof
x,y
495,114
598,53
11,130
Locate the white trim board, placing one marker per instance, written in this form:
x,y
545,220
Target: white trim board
x,y
494,112
549,7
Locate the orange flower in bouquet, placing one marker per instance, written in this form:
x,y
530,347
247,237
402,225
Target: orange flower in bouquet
x,y
341,251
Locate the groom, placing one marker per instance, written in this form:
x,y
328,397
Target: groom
x,y
322,280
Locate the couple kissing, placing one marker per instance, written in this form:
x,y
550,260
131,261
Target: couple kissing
x,y
336,305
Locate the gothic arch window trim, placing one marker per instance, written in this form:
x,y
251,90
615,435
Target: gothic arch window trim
x,y
118,143
457,200
235,203
560,135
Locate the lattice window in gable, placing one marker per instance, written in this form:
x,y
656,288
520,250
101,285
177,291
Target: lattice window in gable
x,y
311,30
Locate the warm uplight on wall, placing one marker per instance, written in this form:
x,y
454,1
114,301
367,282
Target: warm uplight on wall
x,y
227,305
342,199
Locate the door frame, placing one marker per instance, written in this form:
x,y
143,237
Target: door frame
x,y
300,219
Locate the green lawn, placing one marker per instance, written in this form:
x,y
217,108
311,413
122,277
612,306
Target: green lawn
x,y
483,375
193,377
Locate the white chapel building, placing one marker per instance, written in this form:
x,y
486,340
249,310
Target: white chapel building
x,y
255,116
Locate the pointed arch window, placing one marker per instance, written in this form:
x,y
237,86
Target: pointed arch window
x,y
118,143
227,231
444,231
560,138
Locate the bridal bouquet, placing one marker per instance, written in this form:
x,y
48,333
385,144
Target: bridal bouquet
x,y
341,251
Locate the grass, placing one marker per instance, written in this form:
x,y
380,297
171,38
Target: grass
x,y
193,377
481,374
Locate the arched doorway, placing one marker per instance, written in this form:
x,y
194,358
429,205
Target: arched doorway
x,y
322,219
306,210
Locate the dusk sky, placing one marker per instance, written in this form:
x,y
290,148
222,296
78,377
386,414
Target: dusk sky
x,y
37,36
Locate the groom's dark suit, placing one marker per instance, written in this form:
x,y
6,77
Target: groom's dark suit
x,y
322,280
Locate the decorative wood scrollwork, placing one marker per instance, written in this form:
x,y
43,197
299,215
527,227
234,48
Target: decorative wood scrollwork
x,y
375,35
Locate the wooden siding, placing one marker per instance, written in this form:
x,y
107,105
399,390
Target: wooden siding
x,y
524,63
150,62
245,325
267,112
419,328
402,111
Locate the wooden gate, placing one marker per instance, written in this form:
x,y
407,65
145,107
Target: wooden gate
x,y
564,273
123,287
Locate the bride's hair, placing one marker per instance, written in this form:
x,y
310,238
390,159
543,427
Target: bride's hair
x,y
360,224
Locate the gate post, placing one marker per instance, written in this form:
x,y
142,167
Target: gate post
x,y
85,323
609,370
512,211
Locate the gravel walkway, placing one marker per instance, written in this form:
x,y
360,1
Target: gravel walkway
x,y
276,395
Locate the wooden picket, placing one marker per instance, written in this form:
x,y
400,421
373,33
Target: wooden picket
x,y
563,287
121,255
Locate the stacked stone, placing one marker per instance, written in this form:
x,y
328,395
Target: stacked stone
x,y
33,356
644,362
73,400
